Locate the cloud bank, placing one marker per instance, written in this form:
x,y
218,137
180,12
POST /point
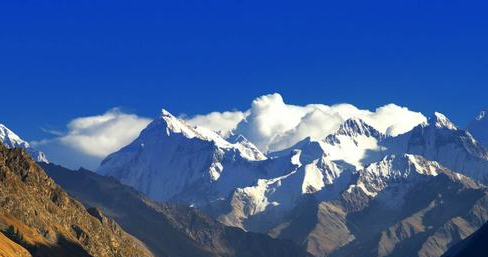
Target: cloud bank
x,y
221,122
272,125
90,139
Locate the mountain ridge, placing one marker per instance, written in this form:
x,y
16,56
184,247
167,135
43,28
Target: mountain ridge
x,y
167,229
334,177
48,222
12,140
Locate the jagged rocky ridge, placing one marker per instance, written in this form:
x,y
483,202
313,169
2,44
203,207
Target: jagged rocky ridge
x,y
42,218
318,184
171,159
391,209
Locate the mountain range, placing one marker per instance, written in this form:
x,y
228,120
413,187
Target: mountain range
x,y
348,180
184,190
166,229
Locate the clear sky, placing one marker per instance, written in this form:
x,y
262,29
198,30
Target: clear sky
x,y
64,59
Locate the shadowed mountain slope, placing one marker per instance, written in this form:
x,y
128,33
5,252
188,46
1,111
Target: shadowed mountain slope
x,y
167,229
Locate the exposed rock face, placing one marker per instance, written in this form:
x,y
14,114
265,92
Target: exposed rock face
x,y
422,211
167,229
47,221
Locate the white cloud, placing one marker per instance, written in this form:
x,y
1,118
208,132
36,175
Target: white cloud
x,y
269,117
272,125
222,122
90,139
393,119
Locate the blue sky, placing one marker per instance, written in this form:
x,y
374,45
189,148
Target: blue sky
x,y
60,60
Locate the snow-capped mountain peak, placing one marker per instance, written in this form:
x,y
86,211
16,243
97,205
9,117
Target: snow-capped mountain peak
x,y
309,150
355,126
395,169
313,148
247,147
355,142
439,120
165,112
171,156
9,138
422,166
12,140
175,125
172,124
440,140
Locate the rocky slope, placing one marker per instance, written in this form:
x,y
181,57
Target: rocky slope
x,y
41,217
167,229
9,248
400,206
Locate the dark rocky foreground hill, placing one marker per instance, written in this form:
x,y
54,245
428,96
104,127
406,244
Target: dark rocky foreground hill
x,y
167,229
38,218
